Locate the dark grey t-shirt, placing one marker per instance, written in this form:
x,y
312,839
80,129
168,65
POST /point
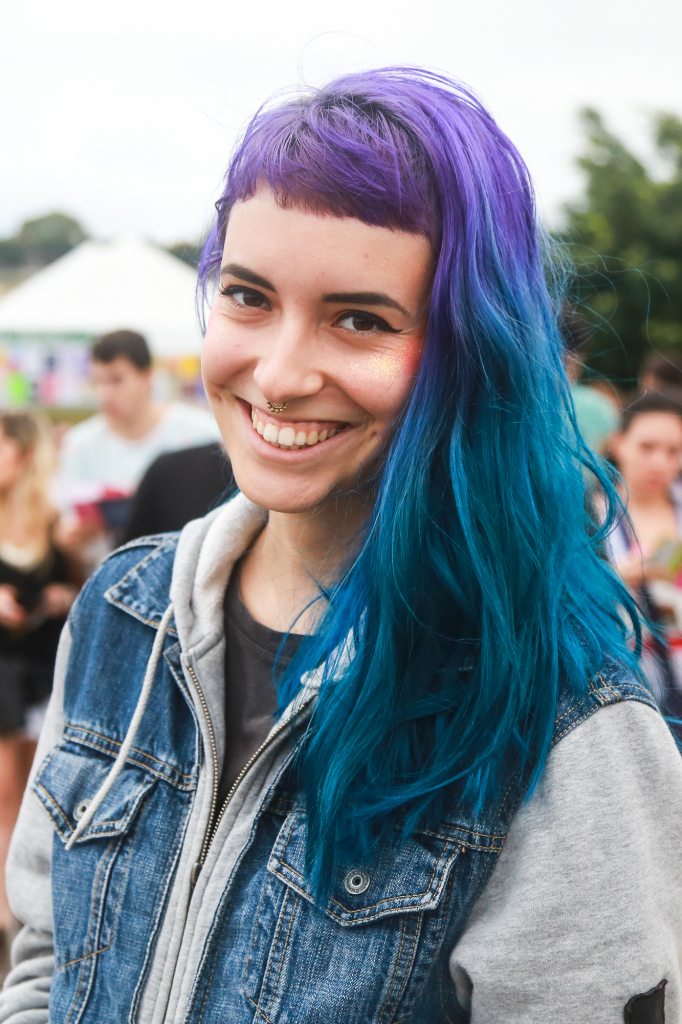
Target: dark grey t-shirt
x,y
250,695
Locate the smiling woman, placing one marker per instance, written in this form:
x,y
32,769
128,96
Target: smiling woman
x,y
328,330
367,744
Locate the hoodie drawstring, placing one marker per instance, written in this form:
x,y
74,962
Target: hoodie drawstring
x,y
127,744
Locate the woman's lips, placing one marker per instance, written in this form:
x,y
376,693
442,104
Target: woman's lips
x,y
294,435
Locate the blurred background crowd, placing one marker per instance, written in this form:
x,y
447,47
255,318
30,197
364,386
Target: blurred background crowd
x,y
105,435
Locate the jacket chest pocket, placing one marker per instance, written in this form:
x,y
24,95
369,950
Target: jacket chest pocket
x,y
88,880
355,958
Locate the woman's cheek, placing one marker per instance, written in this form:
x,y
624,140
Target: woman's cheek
x,y
220,354
386,376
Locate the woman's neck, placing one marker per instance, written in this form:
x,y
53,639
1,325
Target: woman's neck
x,y
295,555
18,526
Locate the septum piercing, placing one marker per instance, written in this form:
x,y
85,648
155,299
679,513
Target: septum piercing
x,y
276,408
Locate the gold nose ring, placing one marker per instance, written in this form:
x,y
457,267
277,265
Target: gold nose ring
x,y
276,408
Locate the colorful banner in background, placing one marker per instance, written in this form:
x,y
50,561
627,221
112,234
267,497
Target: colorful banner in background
x,y
55,373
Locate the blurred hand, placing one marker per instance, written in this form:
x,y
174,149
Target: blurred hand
x,y
12,614
57,600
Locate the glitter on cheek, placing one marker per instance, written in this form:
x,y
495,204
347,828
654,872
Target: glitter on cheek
x,y
387,366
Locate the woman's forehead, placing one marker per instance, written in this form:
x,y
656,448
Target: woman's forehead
x,y
334,252
655,426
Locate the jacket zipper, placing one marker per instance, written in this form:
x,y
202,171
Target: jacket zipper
x,y
214,797
254,757
211,831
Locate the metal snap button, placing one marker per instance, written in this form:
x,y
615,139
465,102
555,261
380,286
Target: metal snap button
x,y
356,880
81,809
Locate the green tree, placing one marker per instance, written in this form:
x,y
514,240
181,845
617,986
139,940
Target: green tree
x,y
626,242
41,240
188,252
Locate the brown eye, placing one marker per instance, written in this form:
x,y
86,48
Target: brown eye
x,y
246,296
364,323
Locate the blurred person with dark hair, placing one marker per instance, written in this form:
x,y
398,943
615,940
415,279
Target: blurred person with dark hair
x,y
178,487
37,588
103,459
646,547
661,370
596,412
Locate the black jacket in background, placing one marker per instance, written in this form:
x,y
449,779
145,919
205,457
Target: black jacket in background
x,y
177,487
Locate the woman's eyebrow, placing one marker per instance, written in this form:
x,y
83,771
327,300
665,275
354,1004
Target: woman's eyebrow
x,y
366,299
247,275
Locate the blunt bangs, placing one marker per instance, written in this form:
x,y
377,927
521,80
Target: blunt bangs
x,y
480,588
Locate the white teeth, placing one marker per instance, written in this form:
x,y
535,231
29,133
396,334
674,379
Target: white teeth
x,y
286,436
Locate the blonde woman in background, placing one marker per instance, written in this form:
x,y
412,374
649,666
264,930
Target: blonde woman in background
x,y
37,588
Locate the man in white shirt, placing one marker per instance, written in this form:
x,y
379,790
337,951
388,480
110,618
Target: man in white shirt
x,y
103,459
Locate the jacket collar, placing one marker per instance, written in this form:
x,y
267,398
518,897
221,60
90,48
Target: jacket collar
x,y
191,569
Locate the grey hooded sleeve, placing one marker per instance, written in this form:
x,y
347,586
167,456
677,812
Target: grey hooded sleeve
x,y
583,911
26,992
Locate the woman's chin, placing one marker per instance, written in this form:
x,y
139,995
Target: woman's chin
x,y
291,497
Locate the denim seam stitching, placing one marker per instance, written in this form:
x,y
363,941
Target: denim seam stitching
x,y
607,686
131,836
384,1006
354,913
139,764
582,718
108,739
138,615
170,878
440,940
373,906
273,946
463,842
253,935
208,990
91,831
258,1010
419,922
48,797
92,916
284,949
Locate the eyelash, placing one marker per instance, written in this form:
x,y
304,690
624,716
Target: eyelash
x,y
235,289
380,325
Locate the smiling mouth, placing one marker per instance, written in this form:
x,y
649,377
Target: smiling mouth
x,y
294,435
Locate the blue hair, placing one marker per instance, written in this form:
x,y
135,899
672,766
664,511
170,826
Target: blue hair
x,y
479,587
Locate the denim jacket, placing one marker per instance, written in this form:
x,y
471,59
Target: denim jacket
x,y
168,908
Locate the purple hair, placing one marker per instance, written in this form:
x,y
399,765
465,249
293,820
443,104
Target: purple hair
x,y
396,147
479,585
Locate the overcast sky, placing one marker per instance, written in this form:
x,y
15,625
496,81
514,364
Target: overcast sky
x,y
123,114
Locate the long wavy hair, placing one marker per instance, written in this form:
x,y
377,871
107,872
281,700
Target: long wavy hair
x,y
480,588
28,500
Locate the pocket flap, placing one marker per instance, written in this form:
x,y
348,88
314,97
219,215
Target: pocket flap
x,y
67,781
407,876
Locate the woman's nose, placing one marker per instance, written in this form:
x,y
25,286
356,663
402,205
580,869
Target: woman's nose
x,y
287,368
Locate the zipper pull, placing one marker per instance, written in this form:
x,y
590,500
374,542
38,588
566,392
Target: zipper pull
x,y
194,873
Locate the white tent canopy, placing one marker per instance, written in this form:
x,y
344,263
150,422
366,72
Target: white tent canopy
x,y
105,286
